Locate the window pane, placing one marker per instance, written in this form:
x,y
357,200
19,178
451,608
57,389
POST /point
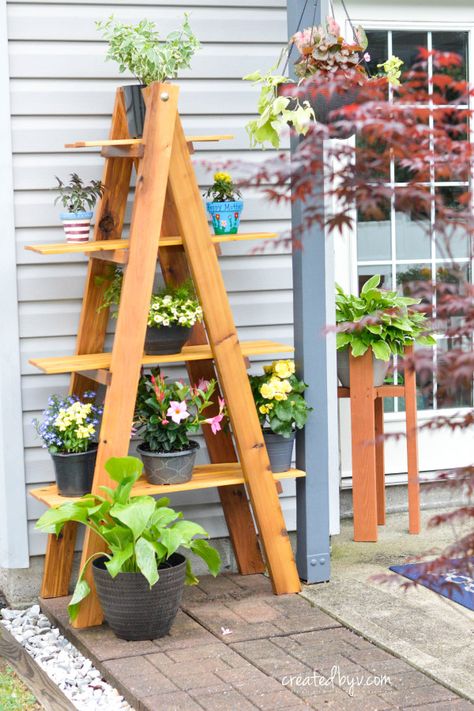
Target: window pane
x,y
413,238
452,240
452,42
373,233
411,279
450,125
377,48
366,271
453,390
406,45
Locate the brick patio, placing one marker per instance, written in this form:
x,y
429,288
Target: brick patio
x,y
272,639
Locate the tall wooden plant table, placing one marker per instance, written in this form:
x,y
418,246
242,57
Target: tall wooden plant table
x,y
168,223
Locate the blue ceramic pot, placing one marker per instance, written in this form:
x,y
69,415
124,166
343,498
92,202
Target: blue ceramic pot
x,y
225,216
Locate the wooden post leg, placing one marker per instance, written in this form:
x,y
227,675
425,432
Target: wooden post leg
x,y
412,448
58,562
379,460
364,491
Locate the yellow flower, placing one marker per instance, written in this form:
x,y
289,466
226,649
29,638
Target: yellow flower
x,y
283,368
263,409
223,176
267,391
281,396
268,369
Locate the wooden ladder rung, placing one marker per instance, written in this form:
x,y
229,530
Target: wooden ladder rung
x,y
115,245
381,391
102,361
137,141
204,477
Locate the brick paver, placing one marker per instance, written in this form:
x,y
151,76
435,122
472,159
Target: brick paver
x,y
236,647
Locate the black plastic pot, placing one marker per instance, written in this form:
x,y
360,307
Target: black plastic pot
x,y
167,339
135,109
133,610
169,467
343,369
279,450
324,105
75,471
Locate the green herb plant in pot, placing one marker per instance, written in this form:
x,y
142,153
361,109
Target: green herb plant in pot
x,y
378,319
223,207
171,317
281,408
68,430
164,415
78,200
140,573
139,50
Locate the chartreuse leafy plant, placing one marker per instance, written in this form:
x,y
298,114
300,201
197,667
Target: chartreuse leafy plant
x,y
278,395
379,319
139,534
139,49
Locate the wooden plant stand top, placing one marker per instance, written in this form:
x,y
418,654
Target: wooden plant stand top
x,y
169,224
367,429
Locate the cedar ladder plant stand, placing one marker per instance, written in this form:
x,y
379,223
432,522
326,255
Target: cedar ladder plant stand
x,y
169,223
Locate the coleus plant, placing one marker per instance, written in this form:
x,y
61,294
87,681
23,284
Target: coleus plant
x,y
323,51
379,319
139,534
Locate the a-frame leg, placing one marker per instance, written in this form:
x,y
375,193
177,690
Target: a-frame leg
x,y
412,445
92,329
137,287
235,506
230,365
380,460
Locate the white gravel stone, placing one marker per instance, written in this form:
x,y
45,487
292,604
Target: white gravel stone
x,y
65,665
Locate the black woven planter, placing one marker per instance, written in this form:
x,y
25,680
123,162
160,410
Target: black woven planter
x,y
167,339
279,450
135,109
75,471
132,609
169,467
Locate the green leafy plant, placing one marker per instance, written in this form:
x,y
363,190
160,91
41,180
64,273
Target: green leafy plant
x,y
169,306
278,396
139,534
138,49
222,189
379,319
166,412
76,196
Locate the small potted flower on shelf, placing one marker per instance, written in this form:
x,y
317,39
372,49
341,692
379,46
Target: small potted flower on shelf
x,y
171,317
78,201
139,575
224,208
68,431
281,408
379,320
164,415
140,50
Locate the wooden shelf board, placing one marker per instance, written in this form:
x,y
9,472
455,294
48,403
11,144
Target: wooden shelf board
x,y
137,141
382,391
204,477
113,245
98,361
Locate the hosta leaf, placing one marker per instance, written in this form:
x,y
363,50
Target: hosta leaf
x,y
120,468
135,514
208,554
371,284
381,350
81,591
119,557
146,560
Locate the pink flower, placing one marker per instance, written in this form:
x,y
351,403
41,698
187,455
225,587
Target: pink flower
x,y
367,57
221,404
333,27
177,411
215,423
165,422
203,385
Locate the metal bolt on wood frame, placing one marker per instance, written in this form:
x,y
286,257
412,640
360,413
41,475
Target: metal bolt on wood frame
x,y
167,202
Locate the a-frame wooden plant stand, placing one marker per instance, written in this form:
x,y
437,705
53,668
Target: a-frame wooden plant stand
x,y
168,222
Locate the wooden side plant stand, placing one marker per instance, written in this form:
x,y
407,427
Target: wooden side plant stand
x,y
367,429
169,224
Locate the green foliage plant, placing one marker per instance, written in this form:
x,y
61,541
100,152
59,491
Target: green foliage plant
x,y
379,319
222,189
139,49
139,534
279,399
76,196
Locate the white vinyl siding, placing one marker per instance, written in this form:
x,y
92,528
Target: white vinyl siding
x,y
62,90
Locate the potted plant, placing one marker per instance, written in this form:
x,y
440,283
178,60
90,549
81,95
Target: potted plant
x,y
78,201
171,317
139,575
281,408
378,319
165,414
223,207
139,50
323,52
68,431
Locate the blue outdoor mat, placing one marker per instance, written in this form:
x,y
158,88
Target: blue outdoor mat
x,y
453,584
